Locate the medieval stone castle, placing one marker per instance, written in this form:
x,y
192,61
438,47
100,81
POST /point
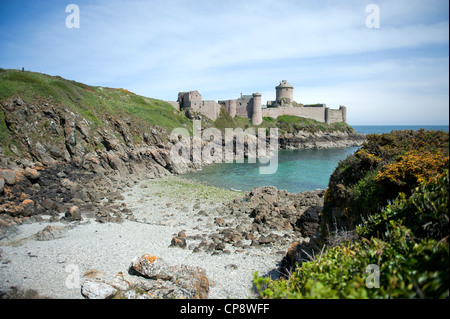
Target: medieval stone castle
x,y
249,106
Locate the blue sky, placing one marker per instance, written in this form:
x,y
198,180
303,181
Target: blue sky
x,y
395,74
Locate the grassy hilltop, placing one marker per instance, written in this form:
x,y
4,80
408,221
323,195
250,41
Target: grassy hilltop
x,y
93,102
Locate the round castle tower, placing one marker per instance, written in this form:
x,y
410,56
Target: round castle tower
x,y
284,92
257,111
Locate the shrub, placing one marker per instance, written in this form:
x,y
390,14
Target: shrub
x,y
386,165
425,212
407,241
396,187
413,167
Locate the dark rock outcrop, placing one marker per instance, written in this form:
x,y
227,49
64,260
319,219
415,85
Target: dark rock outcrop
x,y
260,217
319,140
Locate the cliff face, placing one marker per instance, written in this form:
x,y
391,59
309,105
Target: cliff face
x,y
318,140
51,134
59,162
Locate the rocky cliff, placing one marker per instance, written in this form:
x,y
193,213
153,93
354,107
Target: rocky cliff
x,y
58,162
320,139
52,134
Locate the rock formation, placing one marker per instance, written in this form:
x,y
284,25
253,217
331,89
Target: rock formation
x,y
150,277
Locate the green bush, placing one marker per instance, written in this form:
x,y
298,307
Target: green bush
x,y
407,241
425,212
385,166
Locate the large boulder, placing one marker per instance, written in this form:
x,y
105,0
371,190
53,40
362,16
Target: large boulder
x,y
73,214
8,226
309,222
93,289
192,280
50,233
265,194
8,175
151,267
150,276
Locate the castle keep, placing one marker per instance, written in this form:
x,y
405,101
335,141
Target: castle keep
x,y
249,106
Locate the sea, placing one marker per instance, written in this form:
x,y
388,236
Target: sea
x,y
297,170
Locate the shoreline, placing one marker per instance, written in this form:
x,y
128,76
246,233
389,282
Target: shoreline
x,y
161,208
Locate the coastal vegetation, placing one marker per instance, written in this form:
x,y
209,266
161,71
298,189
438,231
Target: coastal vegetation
x,y
174,188
392,197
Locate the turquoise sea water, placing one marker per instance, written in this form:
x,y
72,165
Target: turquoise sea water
x,y
298,170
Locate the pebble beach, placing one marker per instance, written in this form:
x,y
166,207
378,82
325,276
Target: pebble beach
x,y
162,208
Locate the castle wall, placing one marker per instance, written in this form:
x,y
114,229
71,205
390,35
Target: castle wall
x,y
209,108
176,105
344,113
244,107
315,113
334,116
249,106
232,108
229,106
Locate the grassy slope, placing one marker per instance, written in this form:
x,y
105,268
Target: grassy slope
x,y
94,103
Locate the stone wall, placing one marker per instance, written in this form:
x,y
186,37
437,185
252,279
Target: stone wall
x,y
333,116
315,113
244,106
209,108
184,98
257,112
321,114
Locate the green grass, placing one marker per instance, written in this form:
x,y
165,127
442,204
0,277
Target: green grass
x,y
94,103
